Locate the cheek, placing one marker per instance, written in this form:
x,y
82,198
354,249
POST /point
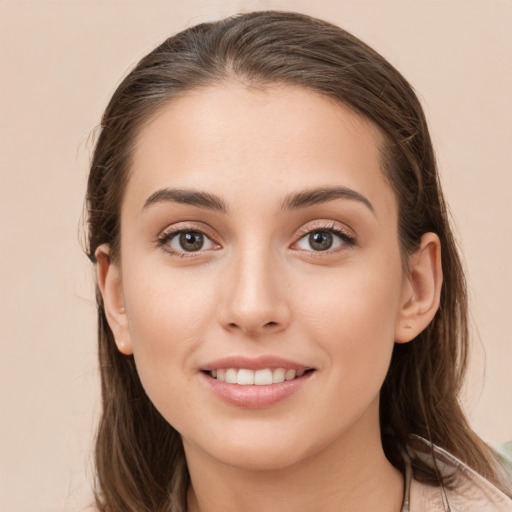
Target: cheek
x,y
169,314
352,316
353,300
167,304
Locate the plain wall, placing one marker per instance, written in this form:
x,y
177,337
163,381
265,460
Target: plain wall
x,y
61,61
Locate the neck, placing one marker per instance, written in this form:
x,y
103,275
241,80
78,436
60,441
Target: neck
x,y
349,474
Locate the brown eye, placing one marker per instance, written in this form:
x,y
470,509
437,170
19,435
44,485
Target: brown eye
x,y
320,240
187,241
324,239
191,241
183,242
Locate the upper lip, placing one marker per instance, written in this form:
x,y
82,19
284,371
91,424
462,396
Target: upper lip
x,y
254,363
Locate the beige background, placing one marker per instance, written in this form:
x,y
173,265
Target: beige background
x,y
60,63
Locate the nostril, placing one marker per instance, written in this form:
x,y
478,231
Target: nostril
x,y
268,324
254,327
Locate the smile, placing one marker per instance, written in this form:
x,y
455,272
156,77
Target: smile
x,y
264,377
255,383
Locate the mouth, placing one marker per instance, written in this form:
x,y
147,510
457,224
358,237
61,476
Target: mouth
x,y
255,383
261,377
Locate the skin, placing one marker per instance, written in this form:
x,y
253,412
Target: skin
x,y
258,287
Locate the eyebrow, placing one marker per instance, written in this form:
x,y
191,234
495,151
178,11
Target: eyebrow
x,y
295,201
321,195
191,197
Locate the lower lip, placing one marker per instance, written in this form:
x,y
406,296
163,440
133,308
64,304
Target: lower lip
x,y
255,397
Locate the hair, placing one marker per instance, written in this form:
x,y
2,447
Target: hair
x,y
139,457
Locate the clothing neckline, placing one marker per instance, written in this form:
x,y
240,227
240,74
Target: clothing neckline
x,y
467,489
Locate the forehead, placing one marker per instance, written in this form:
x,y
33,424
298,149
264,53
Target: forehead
x,y
256,144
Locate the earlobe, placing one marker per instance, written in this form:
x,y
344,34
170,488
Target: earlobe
x,y
421,290
110,284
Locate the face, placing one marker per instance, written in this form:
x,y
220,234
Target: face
x,y
259,244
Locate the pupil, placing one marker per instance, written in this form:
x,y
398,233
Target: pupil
x,y
320,240
191,241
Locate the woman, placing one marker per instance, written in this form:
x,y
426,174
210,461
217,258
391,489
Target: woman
x,y
282,310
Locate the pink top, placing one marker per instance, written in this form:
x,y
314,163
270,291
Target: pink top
x,y
470,493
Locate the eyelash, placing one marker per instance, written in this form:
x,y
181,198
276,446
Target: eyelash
x,y
171,233
347,238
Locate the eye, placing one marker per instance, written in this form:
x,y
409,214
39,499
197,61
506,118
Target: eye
x,y
324,239
319,241
186,241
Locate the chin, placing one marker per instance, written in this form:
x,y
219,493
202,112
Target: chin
x,y
261,451
269,458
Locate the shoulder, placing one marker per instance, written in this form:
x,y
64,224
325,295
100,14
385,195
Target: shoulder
x,y
468,491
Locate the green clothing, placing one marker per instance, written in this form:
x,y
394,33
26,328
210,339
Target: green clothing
x,y
504,450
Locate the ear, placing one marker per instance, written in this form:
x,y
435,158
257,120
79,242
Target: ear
x,y
421,290
110,284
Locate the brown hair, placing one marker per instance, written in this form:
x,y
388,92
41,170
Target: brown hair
x,y
139,456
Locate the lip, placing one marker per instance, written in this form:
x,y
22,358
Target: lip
x,y
254,363
253,396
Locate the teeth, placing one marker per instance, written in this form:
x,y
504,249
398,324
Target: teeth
x,y
231,375
264,377
290,374
278,375
245,377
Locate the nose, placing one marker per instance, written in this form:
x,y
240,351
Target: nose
x,y
255,299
